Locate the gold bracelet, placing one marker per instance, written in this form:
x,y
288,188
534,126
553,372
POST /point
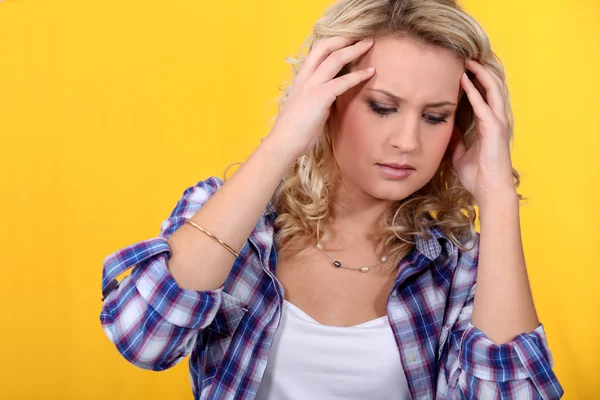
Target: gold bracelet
x,y
222,243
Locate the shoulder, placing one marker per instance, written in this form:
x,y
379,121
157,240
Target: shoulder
x,y
457,257
207,186
204,189
456,250
464,264
468,252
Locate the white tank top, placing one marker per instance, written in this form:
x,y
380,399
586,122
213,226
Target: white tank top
x,y
309,360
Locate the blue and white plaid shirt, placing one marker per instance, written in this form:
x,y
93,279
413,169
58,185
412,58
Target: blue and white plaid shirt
x,y
228,332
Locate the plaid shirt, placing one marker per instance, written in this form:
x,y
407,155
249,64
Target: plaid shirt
x,y
228,332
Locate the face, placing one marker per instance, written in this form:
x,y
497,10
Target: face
x,y
404,114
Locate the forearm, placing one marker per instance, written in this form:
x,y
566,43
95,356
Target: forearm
x,y
503,306
198,262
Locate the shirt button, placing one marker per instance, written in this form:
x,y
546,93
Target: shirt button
x,y
412,357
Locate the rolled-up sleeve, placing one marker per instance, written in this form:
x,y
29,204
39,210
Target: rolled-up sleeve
x,y
479,369
525,363
150,319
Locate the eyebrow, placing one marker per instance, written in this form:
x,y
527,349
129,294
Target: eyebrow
x,y
399,99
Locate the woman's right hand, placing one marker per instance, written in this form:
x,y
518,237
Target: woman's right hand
x,y
307,107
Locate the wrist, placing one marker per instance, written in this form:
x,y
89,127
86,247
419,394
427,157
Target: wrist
x,y
278,151
498,198
501,206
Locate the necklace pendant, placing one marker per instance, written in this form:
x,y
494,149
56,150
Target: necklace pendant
x,y
337,264
364,269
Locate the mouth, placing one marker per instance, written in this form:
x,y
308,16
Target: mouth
x,y
397,171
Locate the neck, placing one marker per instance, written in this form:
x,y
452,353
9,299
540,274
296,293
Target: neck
x,y
357,217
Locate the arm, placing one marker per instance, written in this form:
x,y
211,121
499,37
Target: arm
x,y
503,305
519,365
490,355
198,262
153,316
150,319
174,291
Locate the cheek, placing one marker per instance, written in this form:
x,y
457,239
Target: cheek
x,y
442,134
354,130
437,149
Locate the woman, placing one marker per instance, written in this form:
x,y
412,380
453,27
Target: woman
x,y
341,261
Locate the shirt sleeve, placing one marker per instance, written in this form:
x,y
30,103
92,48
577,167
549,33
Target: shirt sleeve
x,y
147,316
479,369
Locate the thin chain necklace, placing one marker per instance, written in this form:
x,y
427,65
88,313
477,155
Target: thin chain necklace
x,y
338,264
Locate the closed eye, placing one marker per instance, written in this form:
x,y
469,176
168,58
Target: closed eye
x,y
382,111
385,111
434,120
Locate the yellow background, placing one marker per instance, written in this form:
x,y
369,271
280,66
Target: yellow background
x,y
110,109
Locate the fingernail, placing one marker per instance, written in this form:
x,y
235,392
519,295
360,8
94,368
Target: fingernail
x,y
371,69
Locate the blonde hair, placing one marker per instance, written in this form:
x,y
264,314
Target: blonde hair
x,y
305,196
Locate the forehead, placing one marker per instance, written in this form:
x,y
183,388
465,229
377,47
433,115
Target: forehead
x,y
416,72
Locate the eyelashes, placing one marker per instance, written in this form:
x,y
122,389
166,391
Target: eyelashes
x,y
384,112
381,110
434,120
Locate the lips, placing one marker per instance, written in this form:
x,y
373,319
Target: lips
x,y
398,166
396,173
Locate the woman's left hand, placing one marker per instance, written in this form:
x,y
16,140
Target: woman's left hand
x,y
485,168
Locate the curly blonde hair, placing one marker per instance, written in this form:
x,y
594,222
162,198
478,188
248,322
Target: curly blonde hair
x,y
305,197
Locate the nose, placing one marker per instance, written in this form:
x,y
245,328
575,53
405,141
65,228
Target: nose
x,y
404,134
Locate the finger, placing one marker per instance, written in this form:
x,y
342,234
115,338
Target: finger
x,y
482,110
321,49
340,85
494,90
498,79
336,60
500,84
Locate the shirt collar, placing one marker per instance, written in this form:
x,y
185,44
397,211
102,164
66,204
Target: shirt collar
x,y
270,210
431,247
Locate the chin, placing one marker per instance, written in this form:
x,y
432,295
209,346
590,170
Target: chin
x,y
389,190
